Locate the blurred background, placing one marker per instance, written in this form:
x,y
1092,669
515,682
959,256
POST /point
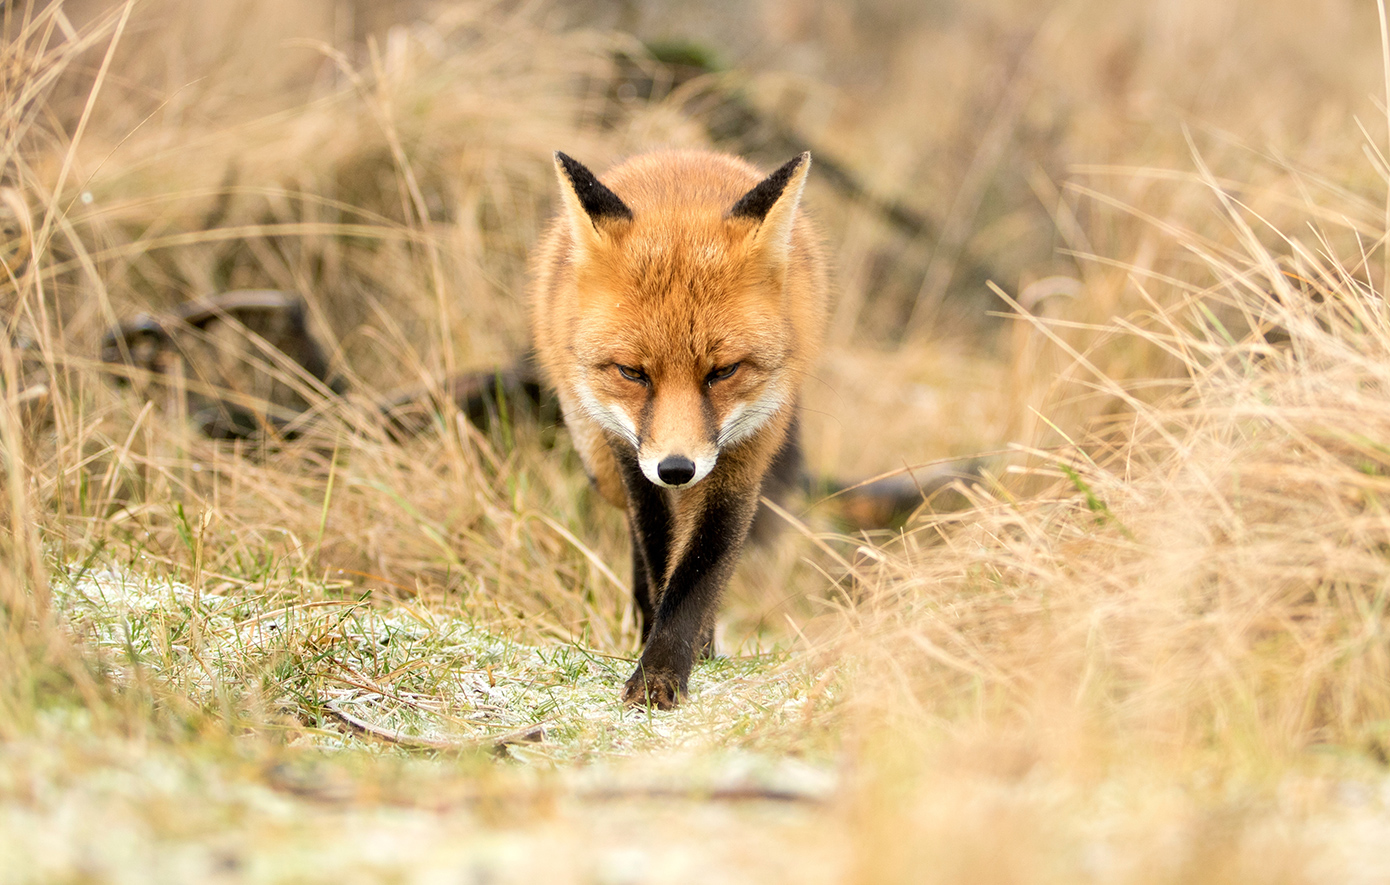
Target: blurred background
x,y
390,161
1131,252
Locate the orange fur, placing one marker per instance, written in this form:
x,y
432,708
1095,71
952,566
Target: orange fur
x,y
677,327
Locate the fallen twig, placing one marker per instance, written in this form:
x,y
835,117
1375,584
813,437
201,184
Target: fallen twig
x,y
696,793
533,733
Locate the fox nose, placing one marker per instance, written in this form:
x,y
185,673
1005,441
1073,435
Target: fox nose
x,y
676,470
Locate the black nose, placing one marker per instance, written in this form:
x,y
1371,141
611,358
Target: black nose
x,y
676,470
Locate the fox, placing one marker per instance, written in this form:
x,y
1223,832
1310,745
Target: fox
x,y
676,309
677,322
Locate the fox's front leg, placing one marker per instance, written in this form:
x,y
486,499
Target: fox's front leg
x,y
685,607
644,591
643,587
649,527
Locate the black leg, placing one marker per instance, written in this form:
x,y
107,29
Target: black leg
x,y
641,587
686,607
649,527
705,647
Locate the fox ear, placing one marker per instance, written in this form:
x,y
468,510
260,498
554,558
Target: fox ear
x,y
591,206
772,206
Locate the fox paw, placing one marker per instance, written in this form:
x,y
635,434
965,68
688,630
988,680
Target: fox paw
x,y
653,688
705,649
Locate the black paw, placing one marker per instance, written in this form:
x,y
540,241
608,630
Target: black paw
x,y
662,689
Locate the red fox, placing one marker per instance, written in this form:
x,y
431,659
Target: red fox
x,y
676,310
675,323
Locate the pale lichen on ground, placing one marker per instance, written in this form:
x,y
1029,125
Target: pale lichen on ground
x,y
428,678
336,804
726,788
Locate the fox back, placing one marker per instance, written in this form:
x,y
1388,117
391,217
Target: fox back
x,y
677,307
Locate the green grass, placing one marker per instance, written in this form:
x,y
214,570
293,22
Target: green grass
x,y
427,679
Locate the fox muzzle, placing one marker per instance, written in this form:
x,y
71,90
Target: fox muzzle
x,y
677,471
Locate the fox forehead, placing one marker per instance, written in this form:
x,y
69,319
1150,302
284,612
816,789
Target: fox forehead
x,y
694,256
671,331
677,300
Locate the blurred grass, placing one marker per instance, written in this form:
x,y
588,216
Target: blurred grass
x,y
1152,650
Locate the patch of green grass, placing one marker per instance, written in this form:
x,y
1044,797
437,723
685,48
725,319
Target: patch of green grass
x,y
412,672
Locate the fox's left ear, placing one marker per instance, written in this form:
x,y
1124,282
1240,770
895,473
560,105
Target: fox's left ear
x,y
772,206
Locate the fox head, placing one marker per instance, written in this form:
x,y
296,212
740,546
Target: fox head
x,y
689,330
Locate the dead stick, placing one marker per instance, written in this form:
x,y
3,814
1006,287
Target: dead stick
x,y
529,734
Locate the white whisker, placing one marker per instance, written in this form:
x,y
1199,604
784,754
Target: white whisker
x,y
611,419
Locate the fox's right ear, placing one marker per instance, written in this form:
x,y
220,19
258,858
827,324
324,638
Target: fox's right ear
x,y
591,207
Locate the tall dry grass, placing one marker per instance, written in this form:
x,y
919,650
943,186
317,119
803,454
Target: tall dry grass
x,y
396,183
1195,597
1175,582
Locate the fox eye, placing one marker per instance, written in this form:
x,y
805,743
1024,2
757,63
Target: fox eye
x,y
721,374
632,374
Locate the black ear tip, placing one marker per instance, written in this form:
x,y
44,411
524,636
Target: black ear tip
x,y
759,201
598,201
573,168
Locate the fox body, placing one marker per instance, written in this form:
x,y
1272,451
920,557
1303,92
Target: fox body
x,y
677,306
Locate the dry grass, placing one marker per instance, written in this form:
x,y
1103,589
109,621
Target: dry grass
x,y
1152,650
1199,602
